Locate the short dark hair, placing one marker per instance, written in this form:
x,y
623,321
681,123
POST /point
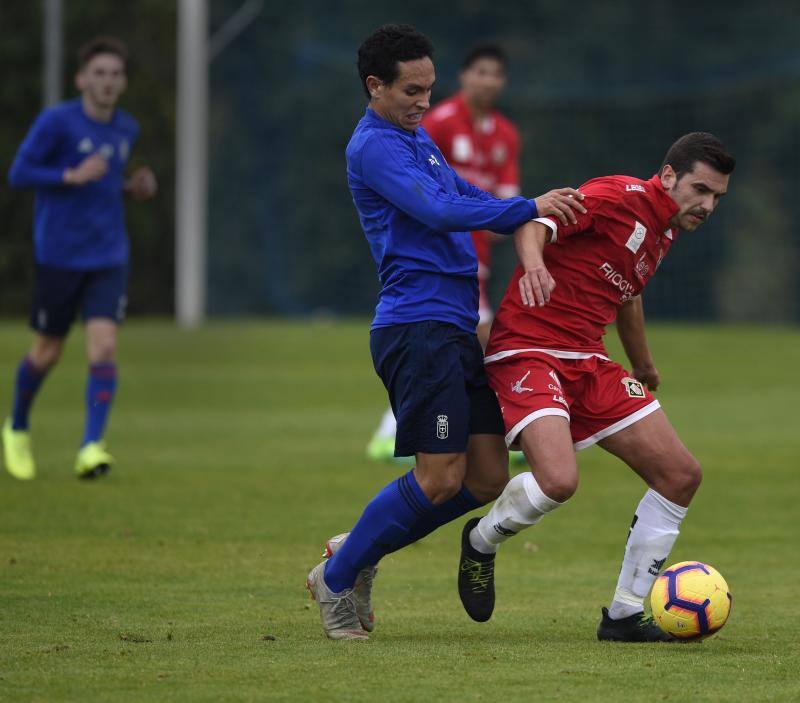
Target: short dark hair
x,y
380,51
102,45
484,51
698,146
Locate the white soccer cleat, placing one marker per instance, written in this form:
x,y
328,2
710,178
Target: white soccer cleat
x,y
362,587
337,610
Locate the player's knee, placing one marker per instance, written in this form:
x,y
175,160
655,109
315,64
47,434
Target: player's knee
x,y
690,476
46,353
559,487
445,487
441,481
488,489
102,351
682,480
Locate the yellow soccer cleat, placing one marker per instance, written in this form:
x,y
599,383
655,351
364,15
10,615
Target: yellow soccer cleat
x,y
381,449
93,460
517,458
17,453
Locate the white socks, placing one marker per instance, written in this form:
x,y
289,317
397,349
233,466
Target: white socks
x,y
521,505
388,426
653,532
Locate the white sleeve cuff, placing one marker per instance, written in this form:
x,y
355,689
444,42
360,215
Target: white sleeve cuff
x,y
552,224
507,190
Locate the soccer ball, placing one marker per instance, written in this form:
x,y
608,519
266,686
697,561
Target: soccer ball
x,y
690,600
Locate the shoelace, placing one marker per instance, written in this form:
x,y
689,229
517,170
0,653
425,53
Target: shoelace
x,y
480,573
344,609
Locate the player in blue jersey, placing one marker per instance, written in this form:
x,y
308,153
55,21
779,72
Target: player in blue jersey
x,y
417,214
75,156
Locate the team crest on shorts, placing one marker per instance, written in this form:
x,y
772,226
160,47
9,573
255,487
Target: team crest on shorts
x,y
634,388
442,426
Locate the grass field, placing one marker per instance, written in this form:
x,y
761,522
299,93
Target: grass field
x,y
240,450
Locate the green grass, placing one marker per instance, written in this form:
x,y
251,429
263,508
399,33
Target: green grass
x,y
240,450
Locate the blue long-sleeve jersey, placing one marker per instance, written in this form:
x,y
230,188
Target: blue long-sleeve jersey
x,y
76,227
417,213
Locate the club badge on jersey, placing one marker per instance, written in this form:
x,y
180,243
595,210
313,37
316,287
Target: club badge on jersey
x,y
442,427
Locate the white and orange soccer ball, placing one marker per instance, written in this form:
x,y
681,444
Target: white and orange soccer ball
x,y
690,600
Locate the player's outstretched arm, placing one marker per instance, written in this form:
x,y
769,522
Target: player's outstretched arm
x,y
631,331
536,283
390,168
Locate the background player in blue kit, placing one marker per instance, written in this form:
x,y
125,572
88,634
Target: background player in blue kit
x,y
417,214
75,155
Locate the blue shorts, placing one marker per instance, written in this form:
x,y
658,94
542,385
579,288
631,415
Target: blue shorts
x,y
60,293
437,386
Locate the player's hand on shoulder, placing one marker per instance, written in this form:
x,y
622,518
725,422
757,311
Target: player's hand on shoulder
x,y
647,375
561,203
142,184
92,168
535,286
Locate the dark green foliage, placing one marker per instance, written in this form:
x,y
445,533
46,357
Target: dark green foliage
x,y
602,88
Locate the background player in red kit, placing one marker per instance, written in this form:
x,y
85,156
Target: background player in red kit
x,y
558,390
483,147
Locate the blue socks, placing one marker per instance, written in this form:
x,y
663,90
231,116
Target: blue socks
x,y
385,523
460,504
399,515
99,394
28,380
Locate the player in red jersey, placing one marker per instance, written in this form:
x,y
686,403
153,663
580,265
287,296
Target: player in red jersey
x,y
558,390
483,147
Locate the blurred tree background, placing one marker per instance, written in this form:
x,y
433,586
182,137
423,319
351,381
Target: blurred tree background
x,y
599,88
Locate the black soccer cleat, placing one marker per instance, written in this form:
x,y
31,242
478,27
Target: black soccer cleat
x,y
635,628
475,578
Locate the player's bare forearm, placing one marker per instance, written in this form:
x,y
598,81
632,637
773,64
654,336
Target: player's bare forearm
x,y
631,331
529,241
495,238
536,283
92,168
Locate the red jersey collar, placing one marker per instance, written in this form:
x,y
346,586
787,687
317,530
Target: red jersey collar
x,y
665,205
487,125
461,103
